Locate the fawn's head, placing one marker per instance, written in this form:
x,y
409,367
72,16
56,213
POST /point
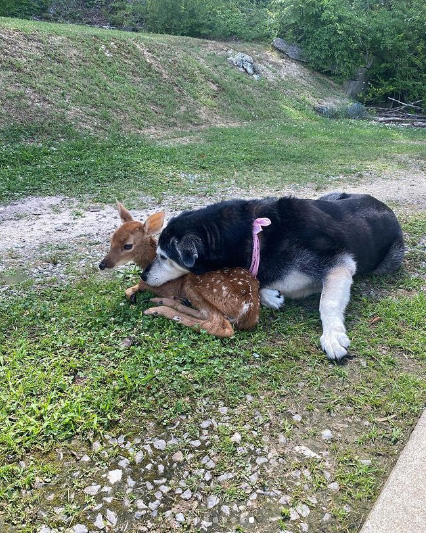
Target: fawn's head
x,y
133,240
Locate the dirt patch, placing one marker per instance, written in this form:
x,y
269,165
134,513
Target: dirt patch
x,y
27,224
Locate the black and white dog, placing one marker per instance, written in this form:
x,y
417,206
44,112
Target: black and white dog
x,y
310,246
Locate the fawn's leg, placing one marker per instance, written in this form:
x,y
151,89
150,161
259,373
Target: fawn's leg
x,y
175,304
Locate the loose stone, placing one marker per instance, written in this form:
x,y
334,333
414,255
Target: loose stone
x,y
180,518
334,486
138,457
205,424
111,517
159,444
80,528
187,495
114,476
212,501
92,490
254,477
303,510
236,437
195,443
124,463
99,522
326,434
177,457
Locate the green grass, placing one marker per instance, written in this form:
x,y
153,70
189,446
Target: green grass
x,y
268,154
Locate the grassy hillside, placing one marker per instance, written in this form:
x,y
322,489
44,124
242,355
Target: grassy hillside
x,y
57,79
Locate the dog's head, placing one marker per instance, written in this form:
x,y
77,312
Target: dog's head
x,y
176,256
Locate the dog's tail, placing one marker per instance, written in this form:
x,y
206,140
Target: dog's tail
x,y
334,196
393,258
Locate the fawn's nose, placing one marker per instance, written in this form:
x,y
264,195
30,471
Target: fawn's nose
x,y
102,265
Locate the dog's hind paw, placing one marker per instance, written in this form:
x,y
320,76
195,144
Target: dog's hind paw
x,y
335,344
271,298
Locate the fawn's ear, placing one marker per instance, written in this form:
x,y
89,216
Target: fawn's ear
x,y
187,249
154,223
124,214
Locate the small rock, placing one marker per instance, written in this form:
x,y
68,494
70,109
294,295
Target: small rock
x,y
164,489
304,527
225,509
326,518
306,452
177,457
140,504
114,476
96,446
297,417
195,443
124,463
187,495
303,510
154,505
236,437
225,477
282,439
326,434
212,501
130,482
180,517
210,464
284,500
80,528
205,424
334,486
138,457
254,477
159,444
223,410
261,460
99,522
92,490
366,462
111,517
207,476
294,515
85,459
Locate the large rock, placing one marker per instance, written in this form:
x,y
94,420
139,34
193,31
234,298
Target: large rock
x,y
291,50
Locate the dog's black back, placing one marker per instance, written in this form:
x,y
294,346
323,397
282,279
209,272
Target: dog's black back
x,y
305,235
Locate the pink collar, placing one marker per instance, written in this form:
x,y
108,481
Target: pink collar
x,y
255,256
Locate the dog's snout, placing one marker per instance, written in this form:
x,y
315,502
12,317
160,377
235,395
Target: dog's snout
x,y
102,265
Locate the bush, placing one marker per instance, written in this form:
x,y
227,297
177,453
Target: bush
x,y
338,36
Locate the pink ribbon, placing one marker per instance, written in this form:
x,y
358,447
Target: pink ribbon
x,y
255,256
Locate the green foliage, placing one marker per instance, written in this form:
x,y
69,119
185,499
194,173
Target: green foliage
x,y
23,8
338,36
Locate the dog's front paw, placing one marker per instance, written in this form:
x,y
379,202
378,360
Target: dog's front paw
x,y
271,298
335,344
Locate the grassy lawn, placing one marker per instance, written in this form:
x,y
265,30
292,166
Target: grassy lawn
x,y
79,365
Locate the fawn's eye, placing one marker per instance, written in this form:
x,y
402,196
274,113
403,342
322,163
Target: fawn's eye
x,y
128,246
163,257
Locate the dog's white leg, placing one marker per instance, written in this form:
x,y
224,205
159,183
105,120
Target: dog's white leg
x,y
334,299
271,298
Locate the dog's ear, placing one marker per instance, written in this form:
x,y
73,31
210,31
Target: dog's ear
x,y
154,223
124,214
187,249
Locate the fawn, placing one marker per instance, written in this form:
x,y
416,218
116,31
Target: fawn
x,y
219,299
